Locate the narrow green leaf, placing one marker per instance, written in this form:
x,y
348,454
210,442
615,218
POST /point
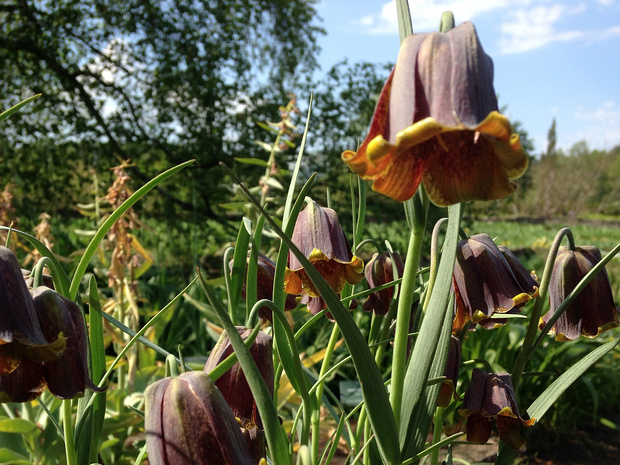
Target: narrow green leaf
x,y
107,224
267,147
373,390
8,456
550,395
5,114
237,274
252,161
430,331
425,409
275,435
17,425
271,127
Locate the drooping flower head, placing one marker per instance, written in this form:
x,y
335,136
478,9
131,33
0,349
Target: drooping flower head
x,y
66,377
187,421
234,386
486,283
379,270
437,121
265,273
488,396
593,310
21,335
320,238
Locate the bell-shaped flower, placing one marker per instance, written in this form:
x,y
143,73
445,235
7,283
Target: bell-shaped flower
x,y
265,272
437,121
379,271
451,372
188,422
21,335
488,396
486,283
320,238
593,310
234,386
66,377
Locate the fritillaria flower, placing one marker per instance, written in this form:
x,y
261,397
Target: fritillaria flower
x,y
593,310
320,238
265,272
235,389
486,283
451,372
379,270
21,335
188,422
488,396
66,377
437,121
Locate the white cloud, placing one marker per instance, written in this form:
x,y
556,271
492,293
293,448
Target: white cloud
x,y
425,14
529,24
536,27
600,127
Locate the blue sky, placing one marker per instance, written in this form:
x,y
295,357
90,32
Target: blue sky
x,y
552,58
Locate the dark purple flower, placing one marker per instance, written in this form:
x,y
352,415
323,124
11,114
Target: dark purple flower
x,y
234,386
437,121
188,422
488,396
320,238
379,270
593,310
486,283
21,335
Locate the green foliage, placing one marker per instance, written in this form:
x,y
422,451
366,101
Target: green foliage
x,y
155,82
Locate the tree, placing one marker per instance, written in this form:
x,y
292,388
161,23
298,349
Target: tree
x,y
166,78
551,140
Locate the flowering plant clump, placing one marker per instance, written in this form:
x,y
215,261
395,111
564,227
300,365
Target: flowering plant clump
x,y
427,346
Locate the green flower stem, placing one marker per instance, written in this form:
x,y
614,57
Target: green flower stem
x,y
37,271
437,430
399,360
67,425
316,414
532,329
434,262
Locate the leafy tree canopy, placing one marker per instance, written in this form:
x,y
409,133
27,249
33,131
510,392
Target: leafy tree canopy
x,y
173,79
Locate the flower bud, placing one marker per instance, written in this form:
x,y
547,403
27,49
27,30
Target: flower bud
x,y
379,270
188,422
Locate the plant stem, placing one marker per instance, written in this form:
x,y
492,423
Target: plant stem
x,y
532,329
316,414
403,316
67,425
437,430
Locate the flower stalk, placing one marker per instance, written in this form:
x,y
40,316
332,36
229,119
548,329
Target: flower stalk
x,y
532,329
